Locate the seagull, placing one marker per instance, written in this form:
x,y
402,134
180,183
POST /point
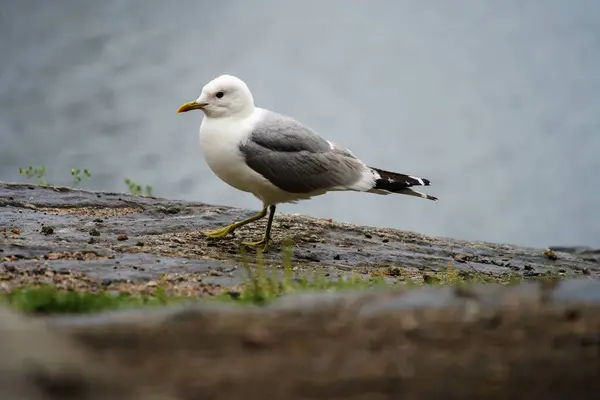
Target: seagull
x,y
278,159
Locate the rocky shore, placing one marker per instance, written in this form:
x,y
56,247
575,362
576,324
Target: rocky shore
x,y
539,338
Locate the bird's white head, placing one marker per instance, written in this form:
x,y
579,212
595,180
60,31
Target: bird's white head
x,y
224,96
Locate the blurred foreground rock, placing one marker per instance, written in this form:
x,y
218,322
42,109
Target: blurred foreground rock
x,y
489,342
38,363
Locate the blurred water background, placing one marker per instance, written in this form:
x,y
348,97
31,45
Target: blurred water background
x,y
498,103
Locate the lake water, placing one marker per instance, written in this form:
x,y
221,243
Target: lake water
x,y
498,103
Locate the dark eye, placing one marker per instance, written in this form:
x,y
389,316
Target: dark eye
x,y
219,95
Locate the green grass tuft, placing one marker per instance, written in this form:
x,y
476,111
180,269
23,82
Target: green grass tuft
x,y
261,287
136,189
79,175
38,173
50,300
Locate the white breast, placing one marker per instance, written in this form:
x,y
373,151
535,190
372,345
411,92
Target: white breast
x,y
219,141
220,145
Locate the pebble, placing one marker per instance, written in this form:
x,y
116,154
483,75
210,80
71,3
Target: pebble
x,y
461,258
47,230
234,294
550,255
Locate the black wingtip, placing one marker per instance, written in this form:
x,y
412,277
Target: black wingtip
x,y
394,181
401,183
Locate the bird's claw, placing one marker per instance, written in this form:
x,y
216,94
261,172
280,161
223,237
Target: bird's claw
x,y
219,233
264,242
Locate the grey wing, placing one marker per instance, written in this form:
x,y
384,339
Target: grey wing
x,y
296,159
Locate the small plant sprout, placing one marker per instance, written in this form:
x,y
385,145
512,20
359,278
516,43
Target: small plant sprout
x,y
79,175
35,172
136,189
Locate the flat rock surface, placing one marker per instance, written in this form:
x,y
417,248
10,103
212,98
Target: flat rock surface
x,y
82,238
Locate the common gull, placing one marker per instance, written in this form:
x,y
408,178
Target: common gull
x,y
278,159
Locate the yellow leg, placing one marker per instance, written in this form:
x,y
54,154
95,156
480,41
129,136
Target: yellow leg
x,y
264,242
226,230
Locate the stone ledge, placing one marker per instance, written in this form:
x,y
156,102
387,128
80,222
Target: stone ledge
x,y
115,237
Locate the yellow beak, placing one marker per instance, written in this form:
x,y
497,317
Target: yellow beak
x,y
192,105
